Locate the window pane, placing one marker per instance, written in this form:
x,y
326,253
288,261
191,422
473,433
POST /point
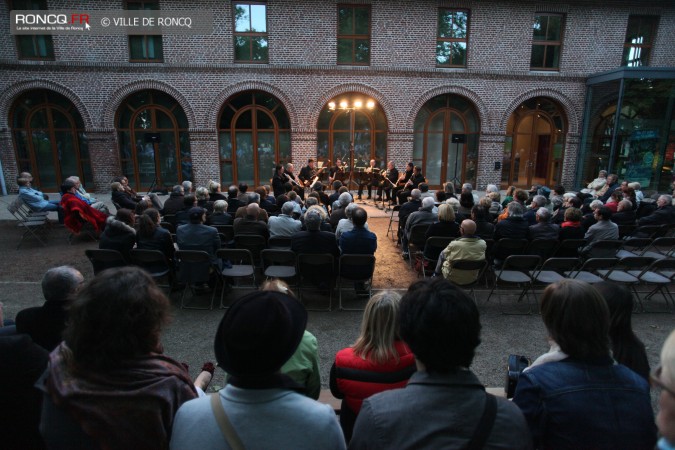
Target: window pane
x,y
44,157
554,28
443,52
444,23
167,159
537,59
258,20
361,122
245,157
244,121
264,120
284,147
136,47
163,121
65,149
361,21
39,119
344,47
552,57
185,155
282,118
540,23
260,50
459,25
226,117
143,120
345,20
226,172
434,157
155,50
45,46
242,48
225,145
21,144
242,18
26,48
458,53
362,51
59,119
322,146
266,159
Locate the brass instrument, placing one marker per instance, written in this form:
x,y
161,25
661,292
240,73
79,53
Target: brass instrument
x,y
292,180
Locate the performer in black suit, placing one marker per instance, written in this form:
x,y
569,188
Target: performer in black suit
x,y
335,172
401,183
392,175
308,173
412,183
278,181
369,178
295,182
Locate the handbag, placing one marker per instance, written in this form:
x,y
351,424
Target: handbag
x,y
229,433
515,365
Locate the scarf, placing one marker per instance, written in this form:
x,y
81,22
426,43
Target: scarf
x,y
130,406
571,224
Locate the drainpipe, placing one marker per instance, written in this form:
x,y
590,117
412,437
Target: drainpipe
x,y
2,180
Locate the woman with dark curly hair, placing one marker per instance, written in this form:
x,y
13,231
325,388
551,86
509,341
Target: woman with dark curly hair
x,y
151,236
108,384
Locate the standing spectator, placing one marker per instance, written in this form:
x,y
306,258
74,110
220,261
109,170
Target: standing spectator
x,y
378,360
119,233
583,399
444,401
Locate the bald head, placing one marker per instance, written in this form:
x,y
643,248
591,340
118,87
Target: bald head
x,y
468,227
252,210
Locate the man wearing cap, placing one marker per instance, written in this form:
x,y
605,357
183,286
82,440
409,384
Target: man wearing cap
x,y
257,335
197,236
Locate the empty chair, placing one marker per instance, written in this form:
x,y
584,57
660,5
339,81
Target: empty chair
x,y
253,243
315,271
227,230
634,247
626,230
603,249
553,270
661,274
660,248
279,263
33,224
393,219
417,240
516,270
544,248
570,248
155,263
193,267
626,271
279,242
651,231
506,247
168,226
105,259
476,268
588,271
241,266
355,269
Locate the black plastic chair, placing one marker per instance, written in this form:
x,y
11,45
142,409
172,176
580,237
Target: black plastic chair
x,y
193,267
516,270
355,269
241,266
279,263
253,243
316,271
155,263
102,259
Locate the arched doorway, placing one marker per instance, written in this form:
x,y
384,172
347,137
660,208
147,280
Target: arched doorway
x,y
154,141
446,140
534,145
254,134
49,139
368,125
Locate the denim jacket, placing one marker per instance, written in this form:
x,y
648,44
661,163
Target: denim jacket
x,y
588,404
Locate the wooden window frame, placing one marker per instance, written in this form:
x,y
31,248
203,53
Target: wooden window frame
x,y
34,38
354,37
649,46
547,43
465,40
146,37
250,34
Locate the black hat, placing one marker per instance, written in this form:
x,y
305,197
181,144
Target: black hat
x,y
196,213
259,333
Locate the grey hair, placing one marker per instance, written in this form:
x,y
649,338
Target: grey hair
x,y
602,171
59,283
187,185
177,189
220,206
539,200
452,201
491,188
544,214
288,208
312,220
349,209
213,186
311,201
202,193
516,209
428,203
669,198
344,199
595,204
467,186
415,194
625,204
635,185
74,178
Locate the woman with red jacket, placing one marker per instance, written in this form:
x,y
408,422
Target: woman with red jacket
x,y
378,361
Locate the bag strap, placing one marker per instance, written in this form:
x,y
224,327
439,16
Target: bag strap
x,y
224,423
487,420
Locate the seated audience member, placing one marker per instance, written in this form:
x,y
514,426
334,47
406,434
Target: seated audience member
x,y
112,345
376,362
257,335
214,191
23,362
151,236
358,240
313,240
424,189
220,215
571,228
261,214
625,214
663,380
595,187
440,196
183,216
203,201
446,225
303,366
664,214
82,194
520,196
614,200
495,206
251,222
639,195
484,228
425,216
444,401
538,201
325,224
243,197
141,207
543,229
332,198
197,236
187,187
121,198
571,201
603,230
508,197
581,398
408,208
284,224
466,202
340,212
514,226
627,349
610,187
45,324
588,219
119,233
267,202
449,189
346,224
174,203
77,212
151,197
468,246
233,203
36,200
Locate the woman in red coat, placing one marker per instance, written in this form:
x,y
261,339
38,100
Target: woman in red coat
x,y
378,361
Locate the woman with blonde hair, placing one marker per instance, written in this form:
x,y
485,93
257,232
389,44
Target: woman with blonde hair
x,y
378,361
446,225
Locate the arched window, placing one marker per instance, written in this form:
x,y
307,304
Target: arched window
x,y
254,133
369,128
154,140
446,140
535,144
49,139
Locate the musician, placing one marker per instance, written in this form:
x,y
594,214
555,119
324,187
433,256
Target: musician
x,y
335,171
402,182
370,179
290,176
278,180
412,183
308,173
388,182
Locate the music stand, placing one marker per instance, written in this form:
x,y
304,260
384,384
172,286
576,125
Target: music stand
x,y
457,139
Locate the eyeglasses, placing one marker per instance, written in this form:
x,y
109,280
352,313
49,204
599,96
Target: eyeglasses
x,y
655,377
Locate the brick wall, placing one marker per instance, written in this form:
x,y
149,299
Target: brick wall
x,y
199,72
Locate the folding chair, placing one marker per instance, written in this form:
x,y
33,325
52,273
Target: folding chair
x,y
432,251
516,271
33,225
253,243
155,263
316,271
417,240
193,267
626,230
168,226
651,231
507,247
634,247
476,267
552,271
242,266
660,273
604,249
588,270
393,218
105,259
355,269
544,248
660,248
627,271
228,234
279,263
279,242
569,248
